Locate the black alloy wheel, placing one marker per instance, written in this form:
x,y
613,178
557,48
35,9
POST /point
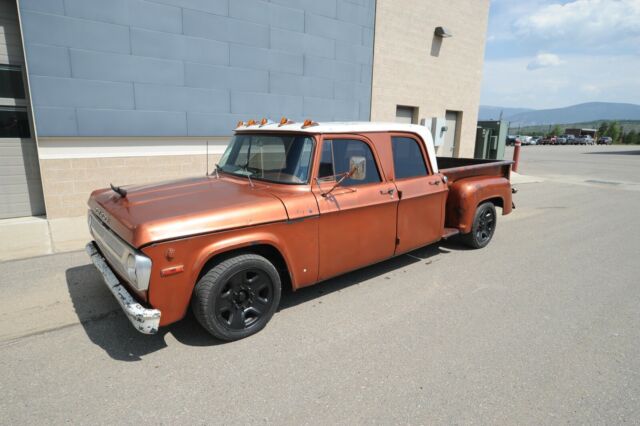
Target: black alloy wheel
x,y
486,225
483,227
244,299
237,297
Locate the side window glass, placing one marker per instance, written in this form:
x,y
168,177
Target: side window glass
x,y
345,152
326,161
408,161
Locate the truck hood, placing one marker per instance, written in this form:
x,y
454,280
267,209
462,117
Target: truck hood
x,y
185,207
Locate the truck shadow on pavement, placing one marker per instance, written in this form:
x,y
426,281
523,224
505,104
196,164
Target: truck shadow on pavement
x,y
106,325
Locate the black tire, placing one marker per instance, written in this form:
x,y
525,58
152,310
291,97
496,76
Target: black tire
x,y
483,228
237,297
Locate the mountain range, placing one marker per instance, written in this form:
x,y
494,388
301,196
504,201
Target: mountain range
x,y
587,112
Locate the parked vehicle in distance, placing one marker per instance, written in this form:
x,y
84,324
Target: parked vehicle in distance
x,y
570,139
289,204
605,140
525,140
511,140
584,140
535,140
561,140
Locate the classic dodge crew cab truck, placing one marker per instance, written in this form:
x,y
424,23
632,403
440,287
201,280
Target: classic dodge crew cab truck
x,y
288,204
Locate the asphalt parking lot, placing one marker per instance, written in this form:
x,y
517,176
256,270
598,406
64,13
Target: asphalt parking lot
x,y
542,326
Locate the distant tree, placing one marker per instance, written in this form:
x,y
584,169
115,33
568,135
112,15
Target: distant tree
x,y
602,130
631,138
556,130
614,131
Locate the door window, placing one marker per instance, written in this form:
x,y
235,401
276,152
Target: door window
x,y
339,154
408,161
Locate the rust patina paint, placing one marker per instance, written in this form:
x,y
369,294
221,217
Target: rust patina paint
x,y
317,236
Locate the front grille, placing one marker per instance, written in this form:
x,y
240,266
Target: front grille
x,y
114,249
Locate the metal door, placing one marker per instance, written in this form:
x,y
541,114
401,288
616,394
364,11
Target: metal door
x,y
448,148
357,223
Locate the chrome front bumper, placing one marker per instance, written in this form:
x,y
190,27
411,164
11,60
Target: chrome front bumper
x,y
144,320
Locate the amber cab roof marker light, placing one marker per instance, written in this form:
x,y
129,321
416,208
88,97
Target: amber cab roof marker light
x,y
308,123
251,123
240,124
283,121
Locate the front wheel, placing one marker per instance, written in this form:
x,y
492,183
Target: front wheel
x,y
483,228
237,297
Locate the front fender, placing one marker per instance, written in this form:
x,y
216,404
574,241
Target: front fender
x,y
296,242
466,194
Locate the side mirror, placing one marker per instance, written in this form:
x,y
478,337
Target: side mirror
x,y
358,168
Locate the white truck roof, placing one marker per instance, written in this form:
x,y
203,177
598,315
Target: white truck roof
x,y
350,127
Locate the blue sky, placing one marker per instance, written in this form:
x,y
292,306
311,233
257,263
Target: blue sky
x,y
555,53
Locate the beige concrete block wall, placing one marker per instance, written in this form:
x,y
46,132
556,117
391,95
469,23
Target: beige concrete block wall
x,y
411,67
67,183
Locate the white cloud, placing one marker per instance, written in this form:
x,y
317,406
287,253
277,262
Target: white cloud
x,y
591,89
544,60
610,78
583,21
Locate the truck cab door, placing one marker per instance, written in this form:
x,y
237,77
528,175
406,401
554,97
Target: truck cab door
x,y
357,224
422,195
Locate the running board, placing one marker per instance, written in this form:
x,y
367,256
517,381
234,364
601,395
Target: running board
x,y
450,232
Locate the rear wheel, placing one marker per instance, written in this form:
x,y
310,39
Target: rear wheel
x,y
237,297
484,225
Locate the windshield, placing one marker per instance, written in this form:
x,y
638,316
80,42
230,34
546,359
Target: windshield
x,y
274,158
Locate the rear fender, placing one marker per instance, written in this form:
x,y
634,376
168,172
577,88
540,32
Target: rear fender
x,y
466,195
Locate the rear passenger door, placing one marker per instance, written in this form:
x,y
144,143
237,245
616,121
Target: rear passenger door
x,y
422,194
357,218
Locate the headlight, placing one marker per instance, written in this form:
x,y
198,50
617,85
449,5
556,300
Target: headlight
x,y
139,271
131,269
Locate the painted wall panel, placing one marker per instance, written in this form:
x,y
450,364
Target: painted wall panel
x,y
194,67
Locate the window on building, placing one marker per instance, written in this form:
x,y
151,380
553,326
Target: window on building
x,y
408,161
14,122
336,157
11,85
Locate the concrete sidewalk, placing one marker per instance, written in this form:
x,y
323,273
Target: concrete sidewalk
x,y
37,236
517,178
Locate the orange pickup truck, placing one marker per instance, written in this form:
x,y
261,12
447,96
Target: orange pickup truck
x,y
288,204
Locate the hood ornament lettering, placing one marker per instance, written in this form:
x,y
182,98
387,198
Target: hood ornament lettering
x,y
101,215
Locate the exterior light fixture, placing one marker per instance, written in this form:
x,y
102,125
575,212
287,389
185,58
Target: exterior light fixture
x,y
443,32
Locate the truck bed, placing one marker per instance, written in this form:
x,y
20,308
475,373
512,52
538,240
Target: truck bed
x,y
459,168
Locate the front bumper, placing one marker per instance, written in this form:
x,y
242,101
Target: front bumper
x,y
144,320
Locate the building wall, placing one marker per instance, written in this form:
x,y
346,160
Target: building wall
x,y
412,67
193,67
129,91
72,168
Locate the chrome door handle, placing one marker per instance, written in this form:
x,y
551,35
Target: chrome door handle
x,y
434,182
389,191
